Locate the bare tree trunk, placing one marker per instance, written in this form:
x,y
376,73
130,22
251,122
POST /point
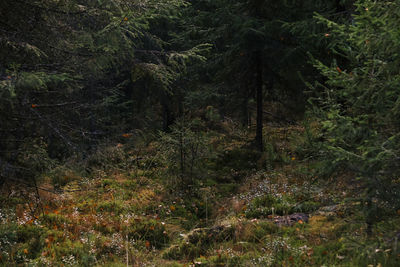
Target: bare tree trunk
x,y
259,97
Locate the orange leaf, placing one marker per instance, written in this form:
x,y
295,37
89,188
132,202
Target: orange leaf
x,y
125,19
147,244
127,135
338,69
25,251
151,227
172,208
300,222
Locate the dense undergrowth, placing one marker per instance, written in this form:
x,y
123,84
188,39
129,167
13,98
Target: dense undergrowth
x,y
135,204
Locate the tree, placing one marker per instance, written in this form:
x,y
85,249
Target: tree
x,y
359,106
256,45
95,60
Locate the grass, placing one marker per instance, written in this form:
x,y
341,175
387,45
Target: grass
x,y
135,214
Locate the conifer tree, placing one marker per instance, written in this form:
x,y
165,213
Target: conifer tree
x,y
71,76
261,44
359,105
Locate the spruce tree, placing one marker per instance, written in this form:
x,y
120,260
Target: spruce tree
x,y
359,103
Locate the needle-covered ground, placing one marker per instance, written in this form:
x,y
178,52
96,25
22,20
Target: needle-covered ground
x,y
242,209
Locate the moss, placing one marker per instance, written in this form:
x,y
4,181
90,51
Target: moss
x,y
263,229
261,207
131,184
53,219
116,207
227,189
149,230
24,240
307,207
182,251
109,183
235,160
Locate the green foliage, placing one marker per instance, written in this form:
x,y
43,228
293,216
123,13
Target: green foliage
x,y
20,242
148,230
184,150
269,205
60,176
115,207
104,157
359,102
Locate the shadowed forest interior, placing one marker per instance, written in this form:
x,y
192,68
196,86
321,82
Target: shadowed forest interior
x,y
199,133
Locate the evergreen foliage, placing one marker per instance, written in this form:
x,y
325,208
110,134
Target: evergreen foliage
x,y
132,129
359,103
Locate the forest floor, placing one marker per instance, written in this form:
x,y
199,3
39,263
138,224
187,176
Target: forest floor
x,y
246,212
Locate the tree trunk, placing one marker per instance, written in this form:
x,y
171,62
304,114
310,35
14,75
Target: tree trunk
x,y
244,108
168,117
259,97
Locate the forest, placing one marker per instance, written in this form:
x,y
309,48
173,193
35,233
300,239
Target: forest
x,y
199,133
